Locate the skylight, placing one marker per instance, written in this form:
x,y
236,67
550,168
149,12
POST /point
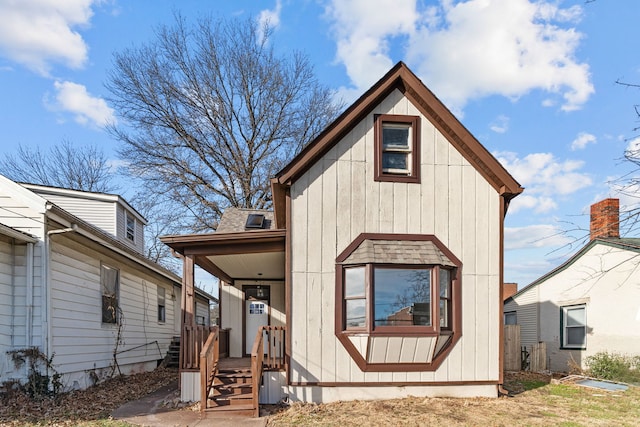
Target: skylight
x,y
255,221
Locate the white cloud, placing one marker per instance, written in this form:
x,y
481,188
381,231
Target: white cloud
x,y
535,236
545,178
363,34
582,140
500,124
86,108
269,18
37,33
467,50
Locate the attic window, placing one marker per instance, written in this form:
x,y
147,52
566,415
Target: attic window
x,y
255,221
397,148
130,227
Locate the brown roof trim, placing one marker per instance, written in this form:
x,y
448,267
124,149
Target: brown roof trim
x,y
403,79
199,243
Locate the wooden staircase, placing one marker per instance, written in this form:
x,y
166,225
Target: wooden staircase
x,y
232,392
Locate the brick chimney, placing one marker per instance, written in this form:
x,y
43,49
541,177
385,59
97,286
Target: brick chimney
x,y
605,219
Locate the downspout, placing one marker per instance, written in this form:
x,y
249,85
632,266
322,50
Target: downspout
x,y
46,279
29,297
501,390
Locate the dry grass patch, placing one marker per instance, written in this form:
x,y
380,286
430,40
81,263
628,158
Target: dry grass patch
x,y
542,405
90,407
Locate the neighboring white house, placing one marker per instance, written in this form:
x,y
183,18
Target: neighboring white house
x,y
396,191
75,284
589,304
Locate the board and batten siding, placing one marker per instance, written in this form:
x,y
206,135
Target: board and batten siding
x,y
80,341
232,308
338,198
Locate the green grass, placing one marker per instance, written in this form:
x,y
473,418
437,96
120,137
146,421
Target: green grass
x,y
530,385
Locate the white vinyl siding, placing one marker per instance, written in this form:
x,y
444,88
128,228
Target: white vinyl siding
x,y
99,213
81,341
338,198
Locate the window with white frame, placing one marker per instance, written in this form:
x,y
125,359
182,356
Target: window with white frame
x,y
396,148
130,227
162,312
110,289
574,326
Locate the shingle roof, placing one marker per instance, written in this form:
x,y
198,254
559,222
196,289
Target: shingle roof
x,y
235,219
398,252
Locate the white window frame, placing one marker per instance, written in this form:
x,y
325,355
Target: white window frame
x,y
162,306
113,294
130,233
395,149
565,326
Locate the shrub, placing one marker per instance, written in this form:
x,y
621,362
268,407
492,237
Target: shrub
x,y
614,367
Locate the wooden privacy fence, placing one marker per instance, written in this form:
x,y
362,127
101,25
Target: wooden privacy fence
x,y
518,358
538,357
512,355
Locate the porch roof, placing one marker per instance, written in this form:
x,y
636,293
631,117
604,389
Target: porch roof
x,y
251,255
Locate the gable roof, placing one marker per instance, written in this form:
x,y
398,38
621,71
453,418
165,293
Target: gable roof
x,y
400,77
630,244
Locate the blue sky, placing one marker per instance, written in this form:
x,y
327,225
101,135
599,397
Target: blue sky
x,y
533,81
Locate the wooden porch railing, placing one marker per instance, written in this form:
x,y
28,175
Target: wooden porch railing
x,y
191,344
209,357
270,358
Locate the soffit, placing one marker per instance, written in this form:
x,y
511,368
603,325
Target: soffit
x,y
267,266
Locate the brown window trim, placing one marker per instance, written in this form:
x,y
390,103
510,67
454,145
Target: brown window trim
x,y
455,313
414,122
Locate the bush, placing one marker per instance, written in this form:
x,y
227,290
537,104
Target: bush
x,y
614,367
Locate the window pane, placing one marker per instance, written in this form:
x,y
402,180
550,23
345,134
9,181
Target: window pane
x,y
576,336
395,136
354,282
444,313
355,313
510,319
575,316
402,297
445,279
395,161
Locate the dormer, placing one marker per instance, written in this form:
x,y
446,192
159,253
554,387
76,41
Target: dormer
x,y
109,212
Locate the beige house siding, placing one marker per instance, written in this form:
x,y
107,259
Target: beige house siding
x,y
338,198
232,309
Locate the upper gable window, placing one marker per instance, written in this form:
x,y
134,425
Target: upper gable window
x,y
130,227
397,148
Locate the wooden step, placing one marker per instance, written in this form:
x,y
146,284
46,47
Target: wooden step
x,y
245,410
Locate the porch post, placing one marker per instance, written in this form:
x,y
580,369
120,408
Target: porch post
x,y
186,310
188,300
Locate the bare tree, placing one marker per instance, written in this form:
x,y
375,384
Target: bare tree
x,y
83,168
212,112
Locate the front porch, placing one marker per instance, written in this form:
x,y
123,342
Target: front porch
x,y
243,361
232,384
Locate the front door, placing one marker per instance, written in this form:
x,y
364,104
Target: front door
x,y
256,313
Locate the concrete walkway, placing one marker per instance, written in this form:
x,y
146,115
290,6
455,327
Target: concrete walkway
x,y
151,411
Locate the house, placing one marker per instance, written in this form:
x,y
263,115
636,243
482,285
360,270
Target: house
x,y
590,303
380,266
75,285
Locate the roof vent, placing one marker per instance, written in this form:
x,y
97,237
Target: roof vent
x,y
255,221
